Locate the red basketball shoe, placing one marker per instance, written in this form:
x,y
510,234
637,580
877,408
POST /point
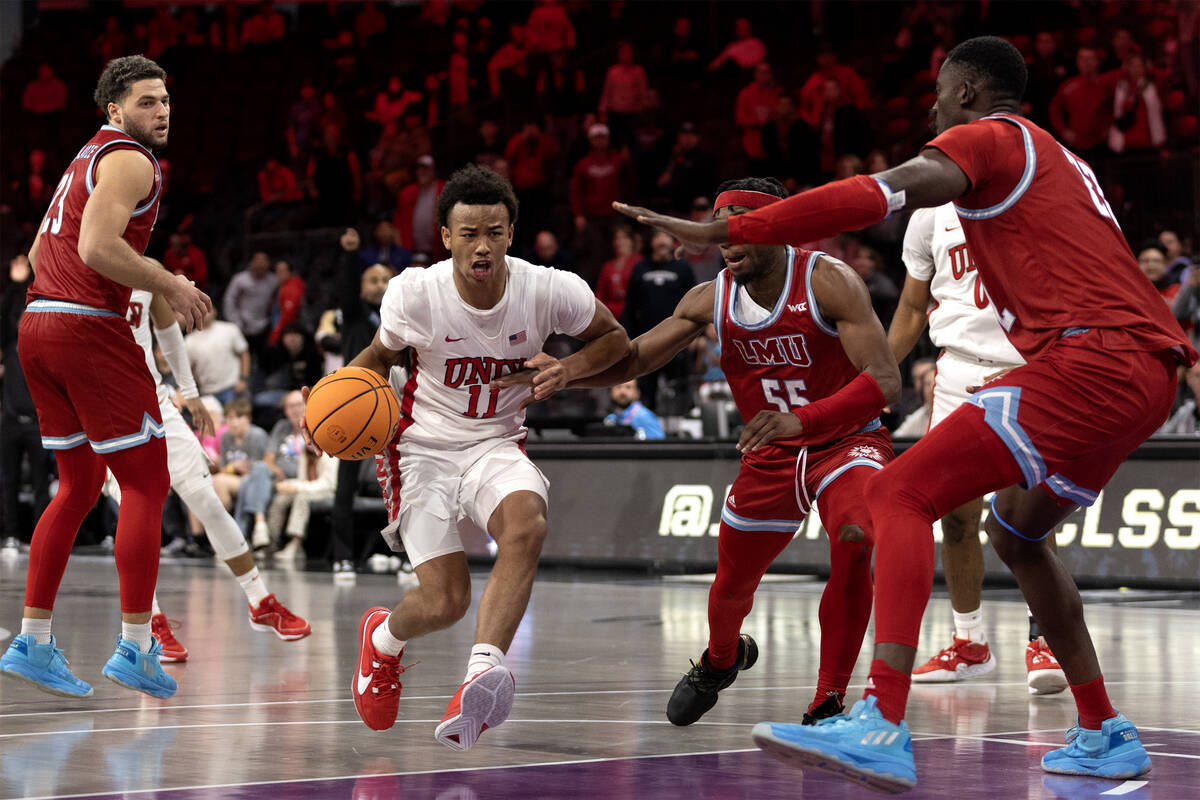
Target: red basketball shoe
x,y
272,615
481,703
376,684
961,660
1045,674
172,648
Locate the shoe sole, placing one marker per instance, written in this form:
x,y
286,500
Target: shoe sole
x,y
370,614
795,755
44,687
1133,772
287,637
485,703
166,659
963,673
1047,681
161,694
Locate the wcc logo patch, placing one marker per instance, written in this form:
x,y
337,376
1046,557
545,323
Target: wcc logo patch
x,y
866,451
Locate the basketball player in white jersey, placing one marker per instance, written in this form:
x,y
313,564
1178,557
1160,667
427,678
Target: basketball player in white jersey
x,y
458,451
191,478
943,289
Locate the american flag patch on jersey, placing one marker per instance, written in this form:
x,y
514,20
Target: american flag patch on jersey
x,y
516,338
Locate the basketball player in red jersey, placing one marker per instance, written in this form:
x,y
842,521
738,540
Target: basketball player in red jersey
x,y
95,399
1102,352
810,370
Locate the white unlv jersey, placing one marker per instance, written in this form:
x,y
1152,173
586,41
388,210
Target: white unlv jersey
x,y
138,316
961,318
457,350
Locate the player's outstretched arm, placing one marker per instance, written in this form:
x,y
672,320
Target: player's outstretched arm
x,y
170,341
909,320
930,179
123,179
657,346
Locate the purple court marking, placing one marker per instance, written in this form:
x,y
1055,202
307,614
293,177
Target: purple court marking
x,y
944,767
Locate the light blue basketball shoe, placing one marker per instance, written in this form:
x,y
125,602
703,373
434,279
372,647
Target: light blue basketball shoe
x,y
1114,751
142,672
859,745
43,666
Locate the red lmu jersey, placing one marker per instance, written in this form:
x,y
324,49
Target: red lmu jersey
x,y
787,359
60,273
1047,243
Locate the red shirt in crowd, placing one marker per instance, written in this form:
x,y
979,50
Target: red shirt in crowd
x,y
1083,106
189,261
527,158
290,299
599,179
277,184
755,103
613,284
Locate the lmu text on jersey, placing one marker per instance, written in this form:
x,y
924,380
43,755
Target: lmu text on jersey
x,y
471,370
775,350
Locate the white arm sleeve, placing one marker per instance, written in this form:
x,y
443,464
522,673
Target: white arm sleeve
x,y
918,245
572,304
170,341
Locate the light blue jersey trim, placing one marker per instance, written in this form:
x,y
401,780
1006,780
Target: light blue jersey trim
x,y
833,476
1000,407
1072,332
90,184
996,516
45,306
1018,190
812,298
1065,488
150,429
63,442
873,425
718,305
780,304
745,524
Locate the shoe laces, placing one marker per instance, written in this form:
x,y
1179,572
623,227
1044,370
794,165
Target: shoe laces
x,y
272,604
387,669
1042,655
705,679
164,625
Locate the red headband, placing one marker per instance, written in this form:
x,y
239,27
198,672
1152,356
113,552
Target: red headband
x,y
744,197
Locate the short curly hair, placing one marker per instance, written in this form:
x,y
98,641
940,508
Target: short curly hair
x,y
119,76
474,185
996,62
764,185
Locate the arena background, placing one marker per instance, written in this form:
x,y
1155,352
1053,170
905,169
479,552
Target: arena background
x,y
292,121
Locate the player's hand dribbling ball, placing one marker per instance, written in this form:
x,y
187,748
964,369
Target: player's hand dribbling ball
x,y
352,413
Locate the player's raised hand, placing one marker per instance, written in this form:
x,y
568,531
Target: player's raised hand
x,y
694,236
308,440
201,420
768,425
190,304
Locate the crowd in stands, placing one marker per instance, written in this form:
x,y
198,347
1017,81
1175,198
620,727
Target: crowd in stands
x,y
309,143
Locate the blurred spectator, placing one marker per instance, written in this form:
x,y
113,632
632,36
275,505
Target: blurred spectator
x,y
385,249
285,443
302,123
755,102
244,482
1186,309
508,73
1177,262
561,91
548,253
248,299
488,149
626,94
264,27
391,103
683,59
1137,110
336,179
33,195
314,479
277,184
20,437
291,364
1152,258
550,28
460,84
746,50
530,155
162,32
613,283
690,169
369,23
869,265
45,94
289,299
184,258
1122,46
842,129
813,94
332,115
190,32
112,43
1046,72
656,286
599,178
1080,111
708,366
790,145
916,424
220,358
708,264
416,212
630,413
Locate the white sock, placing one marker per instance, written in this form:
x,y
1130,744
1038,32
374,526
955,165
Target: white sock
x,y
154,609
139,633
483,656
384,641
40,628
969,626
254,586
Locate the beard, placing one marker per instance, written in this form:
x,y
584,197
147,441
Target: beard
x,y
750,276
144,136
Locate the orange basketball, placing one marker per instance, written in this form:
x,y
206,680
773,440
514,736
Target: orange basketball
x,y
352,413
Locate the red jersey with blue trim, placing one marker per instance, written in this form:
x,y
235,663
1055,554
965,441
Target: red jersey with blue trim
x,y
1048,245
788,359
60,273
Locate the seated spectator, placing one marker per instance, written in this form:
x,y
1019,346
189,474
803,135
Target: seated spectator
x,y
416,213
745,51
631,413
220,358
547,252
277,184
813,96
1152,258
1137,110
293,363
869,265
708,366
614,276
385,249
1177,263
289,299
300,478
916,424
184,258
244,481
707,264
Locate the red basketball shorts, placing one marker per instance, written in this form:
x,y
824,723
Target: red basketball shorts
x,y
1074,413
88,378
776,486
